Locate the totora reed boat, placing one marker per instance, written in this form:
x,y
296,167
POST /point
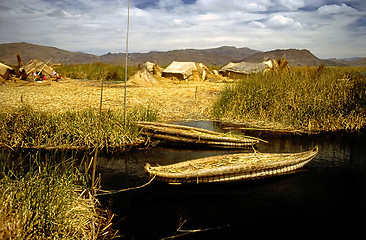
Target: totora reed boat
x,y
231,167
184,135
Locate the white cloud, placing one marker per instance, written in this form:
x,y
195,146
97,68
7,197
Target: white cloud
x,y
282,22
234,5
292,5
256,24
100,25
179,23
337,9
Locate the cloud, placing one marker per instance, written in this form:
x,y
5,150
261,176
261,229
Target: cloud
x,y
100,25
337,9
179,23
281,22
292,4
234,5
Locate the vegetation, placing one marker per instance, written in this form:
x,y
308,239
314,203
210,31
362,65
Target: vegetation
x,y
49,201
303,98
94,71
27,128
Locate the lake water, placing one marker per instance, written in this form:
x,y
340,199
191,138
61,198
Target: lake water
x,y
325,199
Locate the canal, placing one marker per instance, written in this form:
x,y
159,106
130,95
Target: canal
x,y
325,199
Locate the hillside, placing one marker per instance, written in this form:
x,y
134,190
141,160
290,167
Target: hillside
x,y
295,57
214,56
27,51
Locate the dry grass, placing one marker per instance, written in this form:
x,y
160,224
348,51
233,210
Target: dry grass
x,y
175,100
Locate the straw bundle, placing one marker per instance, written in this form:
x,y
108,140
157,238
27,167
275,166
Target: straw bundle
x,y
232,167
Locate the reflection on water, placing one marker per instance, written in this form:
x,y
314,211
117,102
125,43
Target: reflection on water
x,y
326,199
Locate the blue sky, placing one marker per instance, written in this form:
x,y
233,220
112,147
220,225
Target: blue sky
x,y
328,28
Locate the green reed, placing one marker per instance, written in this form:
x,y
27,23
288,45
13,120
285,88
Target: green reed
x,y
304,98
27,128
48,200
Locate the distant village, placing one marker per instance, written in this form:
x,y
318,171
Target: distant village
x,y
147,73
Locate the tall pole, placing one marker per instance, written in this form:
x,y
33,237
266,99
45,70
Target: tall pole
x,y
126,70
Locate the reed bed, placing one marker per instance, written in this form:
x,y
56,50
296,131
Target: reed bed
x,y
302,98
95,71
27,128
49,201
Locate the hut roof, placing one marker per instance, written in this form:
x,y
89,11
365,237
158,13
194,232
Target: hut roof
x,y
4,70
244,67
36,65
142,77
181,68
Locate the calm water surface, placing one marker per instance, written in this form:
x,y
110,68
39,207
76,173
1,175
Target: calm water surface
x,y
326,199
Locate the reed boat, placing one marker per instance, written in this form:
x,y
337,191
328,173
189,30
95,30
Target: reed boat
x,y
231,167
185,135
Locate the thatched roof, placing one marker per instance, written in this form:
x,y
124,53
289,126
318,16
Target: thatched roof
x,y
185,70
142,77
154,68
243,68
180,70
5,70
35,66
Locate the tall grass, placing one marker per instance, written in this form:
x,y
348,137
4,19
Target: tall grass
x,y
303,98
48,201
93,71
27,128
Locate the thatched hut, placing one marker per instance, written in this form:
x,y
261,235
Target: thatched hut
x,y
35,66
238,70
186,70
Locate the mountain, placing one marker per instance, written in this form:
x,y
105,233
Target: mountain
x,y
295,57
213,56
27,51
355,62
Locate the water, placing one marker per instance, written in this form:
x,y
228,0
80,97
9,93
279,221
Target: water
x,y
325,199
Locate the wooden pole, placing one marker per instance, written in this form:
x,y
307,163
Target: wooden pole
x,y
98,131
42,69
126,70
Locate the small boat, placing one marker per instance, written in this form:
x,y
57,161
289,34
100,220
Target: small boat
x,y
185,135
231,167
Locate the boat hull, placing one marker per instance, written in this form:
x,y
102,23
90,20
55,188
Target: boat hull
x,y
178,135
231,168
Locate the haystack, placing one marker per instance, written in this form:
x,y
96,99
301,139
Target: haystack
x,y
142,77
5,71
154,68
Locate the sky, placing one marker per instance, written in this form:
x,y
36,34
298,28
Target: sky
x,y
328,28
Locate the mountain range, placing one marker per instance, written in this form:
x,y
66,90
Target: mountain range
x,y
213,56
